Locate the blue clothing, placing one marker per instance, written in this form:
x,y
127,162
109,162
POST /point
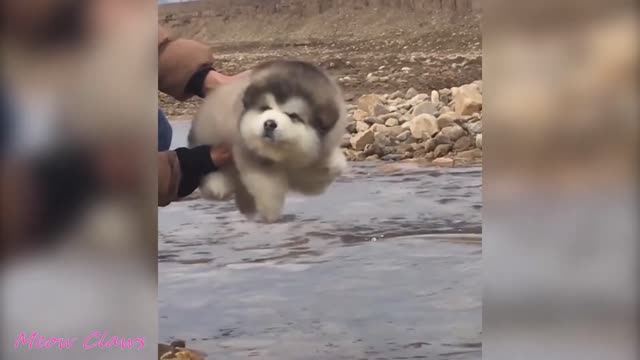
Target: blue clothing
x,y
165,132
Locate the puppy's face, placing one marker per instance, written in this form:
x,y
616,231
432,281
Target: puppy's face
x,y
288,109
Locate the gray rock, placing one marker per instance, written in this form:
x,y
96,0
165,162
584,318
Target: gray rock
x,y
430,145
382,139
445,92
367,103
474,128
479,141
389,116
404,136
418,99
442,139
395,130
392,122
404,148
423,126
373,120
379,128
379,110
360,115
462,144
372,149
426,107
442,150
469,154
446,120
361,126
360,140
467,99
411,93
444,162
404,119
392,157
454,132
397,94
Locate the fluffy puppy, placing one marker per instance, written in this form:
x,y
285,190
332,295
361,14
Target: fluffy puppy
x,y
285,123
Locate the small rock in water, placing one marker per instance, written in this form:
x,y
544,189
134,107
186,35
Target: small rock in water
x,y
469,154
444,162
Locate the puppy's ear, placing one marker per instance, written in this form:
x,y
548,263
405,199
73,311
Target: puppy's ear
x,y
250,97
327,116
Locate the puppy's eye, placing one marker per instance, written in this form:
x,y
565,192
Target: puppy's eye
x,y
265,108
294,117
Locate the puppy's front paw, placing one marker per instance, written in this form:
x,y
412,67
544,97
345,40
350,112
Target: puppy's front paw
x,y
269,216
270,210
217,186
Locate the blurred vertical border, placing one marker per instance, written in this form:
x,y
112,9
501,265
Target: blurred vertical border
x,y
561,163
78,178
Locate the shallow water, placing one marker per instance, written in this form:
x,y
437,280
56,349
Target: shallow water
x,y
382,266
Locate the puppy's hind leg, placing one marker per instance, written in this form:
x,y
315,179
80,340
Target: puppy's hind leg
x,y
245,202
269,191
317,180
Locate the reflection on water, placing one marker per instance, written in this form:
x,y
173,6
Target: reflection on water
x,y
383,266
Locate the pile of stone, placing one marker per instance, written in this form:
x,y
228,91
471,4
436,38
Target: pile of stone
x,y
441,126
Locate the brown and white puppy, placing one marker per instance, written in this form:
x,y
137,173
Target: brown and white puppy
x,y
285,123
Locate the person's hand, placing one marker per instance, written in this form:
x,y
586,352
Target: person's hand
x,y
215,79
221,156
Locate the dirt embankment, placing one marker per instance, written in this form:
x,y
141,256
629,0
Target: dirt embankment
x,y
370,46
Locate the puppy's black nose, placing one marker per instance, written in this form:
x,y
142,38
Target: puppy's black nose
x,y
270,125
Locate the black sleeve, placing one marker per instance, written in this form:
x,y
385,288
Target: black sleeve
x,y
194,165
196,83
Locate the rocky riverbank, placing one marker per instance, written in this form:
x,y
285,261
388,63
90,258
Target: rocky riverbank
x,y
444,126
